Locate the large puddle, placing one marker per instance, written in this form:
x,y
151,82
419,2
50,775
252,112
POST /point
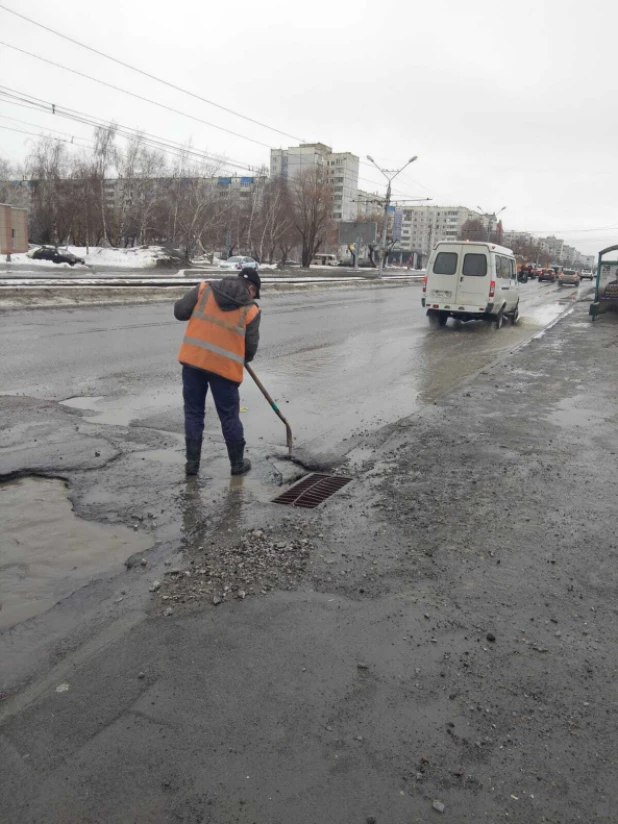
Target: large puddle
x,y
47,552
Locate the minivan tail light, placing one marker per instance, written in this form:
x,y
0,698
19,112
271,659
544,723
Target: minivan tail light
x,y
425,283
492,288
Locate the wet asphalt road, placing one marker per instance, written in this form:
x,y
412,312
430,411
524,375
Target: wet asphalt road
x,y
334,361
369,690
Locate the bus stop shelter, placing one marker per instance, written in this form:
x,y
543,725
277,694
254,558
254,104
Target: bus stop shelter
x,y
606,290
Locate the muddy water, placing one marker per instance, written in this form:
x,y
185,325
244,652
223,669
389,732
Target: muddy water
x,y
47,552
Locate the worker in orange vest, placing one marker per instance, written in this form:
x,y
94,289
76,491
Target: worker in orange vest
x,y
222,334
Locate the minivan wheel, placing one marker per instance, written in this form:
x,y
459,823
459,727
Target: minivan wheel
x,y
499,319
515,315
442,318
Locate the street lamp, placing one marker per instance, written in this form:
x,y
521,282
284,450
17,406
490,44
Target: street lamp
x,y
390,175
491,215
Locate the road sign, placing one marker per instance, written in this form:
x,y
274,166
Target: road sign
x,y
351,232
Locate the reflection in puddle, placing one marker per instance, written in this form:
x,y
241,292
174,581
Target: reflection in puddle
x,y
47,552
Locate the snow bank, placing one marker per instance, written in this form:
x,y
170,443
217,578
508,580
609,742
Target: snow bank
x,y
138,257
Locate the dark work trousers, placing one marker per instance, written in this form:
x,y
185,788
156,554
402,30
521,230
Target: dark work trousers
x,y
195,385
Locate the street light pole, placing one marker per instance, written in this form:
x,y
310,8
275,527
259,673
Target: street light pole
x,y
491,215
390,175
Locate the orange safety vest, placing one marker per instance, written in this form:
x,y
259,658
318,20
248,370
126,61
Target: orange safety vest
x,y
215,340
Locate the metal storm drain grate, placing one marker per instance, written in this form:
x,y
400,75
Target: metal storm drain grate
x,y
312,490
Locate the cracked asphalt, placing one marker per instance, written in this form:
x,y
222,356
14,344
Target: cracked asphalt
x,y
442,631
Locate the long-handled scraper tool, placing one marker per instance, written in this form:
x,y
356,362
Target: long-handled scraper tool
x,y
261,387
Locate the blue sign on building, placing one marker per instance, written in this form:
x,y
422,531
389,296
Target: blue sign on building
x,y
245,181
225,181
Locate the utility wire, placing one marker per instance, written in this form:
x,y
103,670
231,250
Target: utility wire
x,y
30,101
169,147
133,94
38,126
37,134
147,74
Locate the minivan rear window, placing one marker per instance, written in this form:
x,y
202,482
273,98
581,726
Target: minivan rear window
x,y
445,263
475,265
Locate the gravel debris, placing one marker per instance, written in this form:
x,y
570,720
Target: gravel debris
x,y
254,565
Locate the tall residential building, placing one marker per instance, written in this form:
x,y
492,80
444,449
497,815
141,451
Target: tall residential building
x,y
369,204
424,226
340,170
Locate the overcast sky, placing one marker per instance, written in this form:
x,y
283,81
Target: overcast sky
x,y
505,104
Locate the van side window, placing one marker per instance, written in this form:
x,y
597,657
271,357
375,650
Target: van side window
x,y
502,267
445,263
475,265
512,268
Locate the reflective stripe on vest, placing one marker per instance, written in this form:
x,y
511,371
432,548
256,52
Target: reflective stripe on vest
x,y
220,352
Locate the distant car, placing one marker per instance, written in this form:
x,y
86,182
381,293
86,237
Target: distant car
x,y
238,262
525,272
569,277
324,259
586,273
548,274
51,253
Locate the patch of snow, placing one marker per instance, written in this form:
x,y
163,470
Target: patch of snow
x,y
137,257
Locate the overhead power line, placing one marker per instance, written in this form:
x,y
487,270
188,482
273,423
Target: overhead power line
x,y
133,94
156,103
147,74
15,97
36,104
38,126
38,134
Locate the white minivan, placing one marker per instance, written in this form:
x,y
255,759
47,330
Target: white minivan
x,y
469,280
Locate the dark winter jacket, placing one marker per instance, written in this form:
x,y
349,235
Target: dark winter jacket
x,y
230,293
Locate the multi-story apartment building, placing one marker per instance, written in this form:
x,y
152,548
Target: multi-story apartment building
x,y
340,170
127,190
424,226
369,204
554,246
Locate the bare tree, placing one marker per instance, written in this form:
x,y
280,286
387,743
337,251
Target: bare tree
x,y
274,222
311,203
9,192
472,229
46,165
103,156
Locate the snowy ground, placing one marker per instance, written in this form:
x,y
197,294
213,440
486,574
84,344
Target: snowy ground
x,y
140,257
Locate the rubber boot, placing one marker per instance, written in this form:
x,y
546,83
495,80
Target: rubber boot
x,y
238,462
194,453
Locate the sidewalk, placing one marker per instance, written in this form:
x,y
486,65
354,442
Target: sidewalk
x,y
451,638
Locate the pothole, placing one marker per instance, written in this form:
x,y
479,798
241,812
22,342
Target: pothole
x,y
123,410
47,552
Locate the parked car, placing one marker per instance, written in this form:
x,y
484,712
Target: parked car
x,y
471,281
238,262
323,259
548,274
53,254
586,274
568,277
